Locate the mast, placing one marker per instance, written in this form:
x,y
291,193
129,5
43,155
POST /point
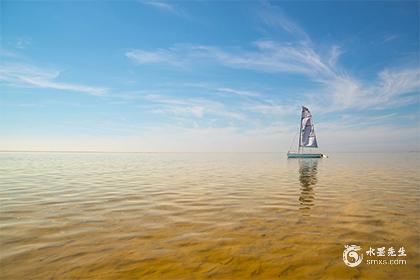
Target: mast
x,y
300,133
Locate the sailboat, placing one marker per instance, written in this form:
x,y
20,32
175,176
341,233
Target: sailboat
x,y
307,138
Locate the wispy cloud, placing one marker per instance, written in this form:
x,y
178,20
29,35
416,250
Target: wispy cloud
x,y
169,56
273,16
239,92
266,56
390,38
31,76
22,42
396,82
335,54
8,53
337,88
271,108
196,107
269,56
391,88
165,7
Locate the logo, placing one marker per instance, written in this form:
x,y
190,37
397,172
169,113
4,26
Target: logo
x,y
351,256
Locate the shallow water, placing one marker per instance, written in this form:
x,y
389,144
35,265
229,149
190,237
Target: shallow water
x,y
192,216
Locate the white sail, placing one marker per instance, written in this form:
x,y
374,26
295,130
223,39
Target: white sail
x,y
307,132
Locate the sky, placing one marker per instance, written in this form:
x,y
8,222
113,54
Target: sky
x,y
198,76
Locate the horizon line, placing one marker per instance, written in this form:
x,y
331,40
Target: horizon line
x,y
186,152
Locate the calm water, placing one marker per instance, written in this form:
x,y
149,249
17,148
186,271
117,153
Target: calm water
x,y
220,216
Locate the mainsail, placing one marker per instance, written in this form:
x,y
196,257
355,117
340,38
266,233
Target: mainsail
x,y
307,132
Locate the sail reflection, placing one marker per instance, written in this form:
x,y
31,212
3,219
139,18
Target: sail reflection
x,y
307,177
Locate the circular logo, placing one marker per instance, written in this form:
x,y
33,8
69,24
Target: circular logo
x,y
351,256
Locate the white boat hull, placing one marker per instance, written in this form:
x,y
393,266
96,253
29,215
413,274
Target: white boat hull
x,y
305,155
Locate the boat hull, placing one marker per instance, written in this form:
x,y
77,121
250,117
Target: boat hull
x,y
302,155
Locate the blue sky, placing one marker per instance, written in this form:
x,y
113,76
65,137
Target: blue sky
x,y
208,76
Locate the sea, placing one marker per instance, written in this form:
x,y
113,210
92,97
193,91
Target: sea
x,y
209,216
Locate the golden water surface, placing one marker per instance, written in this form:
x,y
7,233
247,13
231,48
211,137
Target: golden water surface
x,y
194,216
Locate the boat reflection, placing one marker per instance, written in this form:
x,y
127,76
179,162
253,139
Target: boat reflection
x,y
308,169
